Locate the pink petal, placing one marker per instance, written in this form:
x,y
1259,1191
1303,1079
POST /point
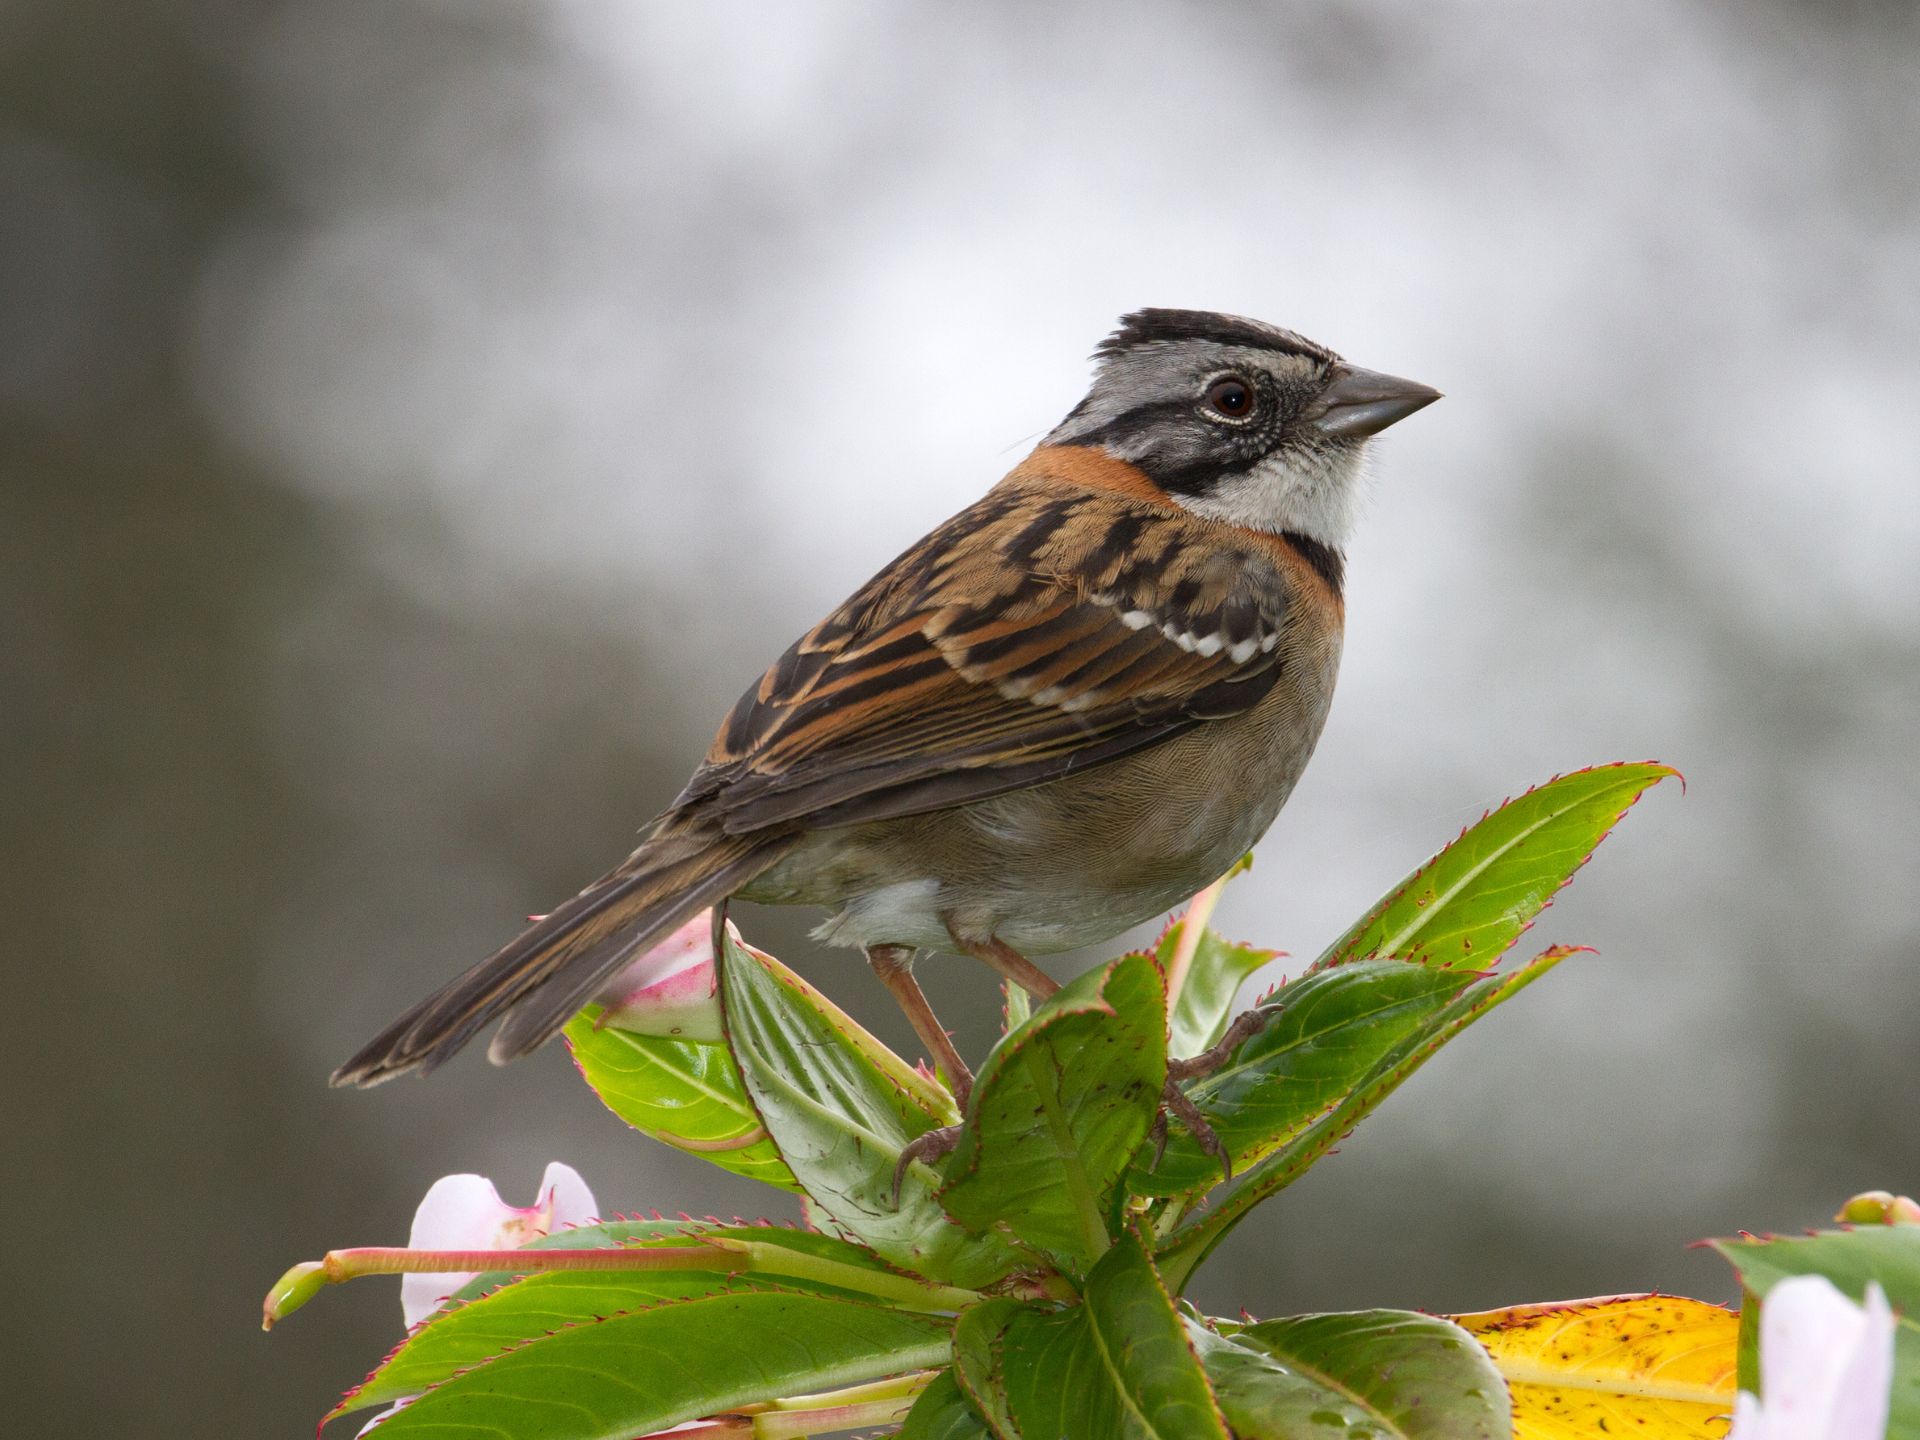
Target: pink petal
x,y
568,1200
465,1212
1826,1365
1866,1383
671,990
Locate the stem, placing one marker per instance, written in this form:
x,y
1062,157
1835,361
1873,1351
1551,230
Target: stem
x,y
1192,926
879,1402
712,1147
905,1291
721,1254
307,1279
796,1424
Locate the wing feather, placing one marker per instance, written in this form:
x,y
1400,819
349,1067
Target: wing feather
x,y
1034,634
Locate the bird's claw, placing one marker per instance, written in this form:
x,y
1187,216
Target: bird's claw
x,y
1175,1101
926,1147
1245,1026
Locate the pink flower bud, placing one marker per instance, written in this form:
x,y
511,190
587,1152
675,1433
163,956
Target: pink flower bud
x,y
1880,1207
671,990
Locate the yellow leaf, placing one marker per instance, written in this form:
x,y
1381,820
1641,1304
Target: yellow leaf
x,y
1656,1367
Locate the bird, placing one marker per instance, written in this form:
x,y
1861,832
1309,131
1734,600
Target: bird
x,y
1057,715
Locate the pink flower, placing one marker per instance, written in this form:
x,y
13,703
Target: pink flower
x,y
1826,1365
465,1212
672,989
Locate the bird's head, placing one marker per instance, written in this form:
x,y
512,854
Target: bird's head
x,y
1238,420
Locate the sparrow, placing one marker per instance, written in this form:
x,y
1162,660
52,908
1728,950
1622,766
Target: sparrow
x,y
1065,710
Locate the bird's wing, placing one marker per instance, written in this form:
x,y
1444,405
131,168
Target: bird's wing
x,y
1039,632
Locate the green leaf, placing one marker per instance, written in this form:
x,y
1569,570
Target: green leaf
x,y
1888,1254
661,1361
1115,1367
942,1413
1059,1109
688,1095
1386,1373
1324,1033
1467,905
1218,970
1196,1237
495,1319
841,1122
976,1361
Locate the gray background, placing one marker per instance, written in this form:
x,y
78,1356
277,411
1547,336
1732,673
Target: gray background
x,y
418,420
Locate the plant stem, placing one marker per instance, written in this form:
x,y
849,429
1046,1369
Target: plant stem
x,y
310,1277
892,1388
796,1424
905,1291
1192,926
720,1254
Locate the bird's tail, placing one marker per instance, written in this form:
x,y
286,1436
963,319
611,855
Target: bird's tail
x,y
556,965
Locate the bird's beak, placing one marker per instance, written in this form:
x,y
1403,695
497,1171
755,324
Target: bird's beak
x,y
1365,402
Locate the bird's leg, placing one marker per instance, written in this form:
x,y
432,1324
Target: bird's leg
x,y
1010,964
894,965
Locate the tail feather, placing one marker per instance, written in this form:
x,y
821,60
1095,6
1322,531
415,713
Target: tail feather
x,y
551,969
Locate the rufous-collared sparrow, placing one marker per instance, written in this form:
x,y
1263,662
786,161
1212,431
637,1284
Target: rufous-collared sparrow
x,y
1066,709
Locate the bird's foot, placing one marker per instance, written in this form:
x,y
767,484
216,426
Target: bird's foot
x,y
1175,1101
1246,1025
926,1148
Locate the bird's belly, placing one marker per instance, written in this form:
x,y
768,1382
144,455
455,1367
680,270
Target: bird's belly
x,y
1069,863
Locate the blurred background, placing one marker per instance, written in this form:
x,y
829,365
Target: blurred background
x,y
419,419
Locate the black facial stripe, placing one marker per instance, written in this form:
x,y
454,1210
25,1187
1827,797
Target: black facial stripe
x,y
1196,477
1140,417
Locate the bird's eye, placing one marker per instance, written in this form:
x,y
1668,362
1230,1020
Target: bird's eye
x,y
1231,397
